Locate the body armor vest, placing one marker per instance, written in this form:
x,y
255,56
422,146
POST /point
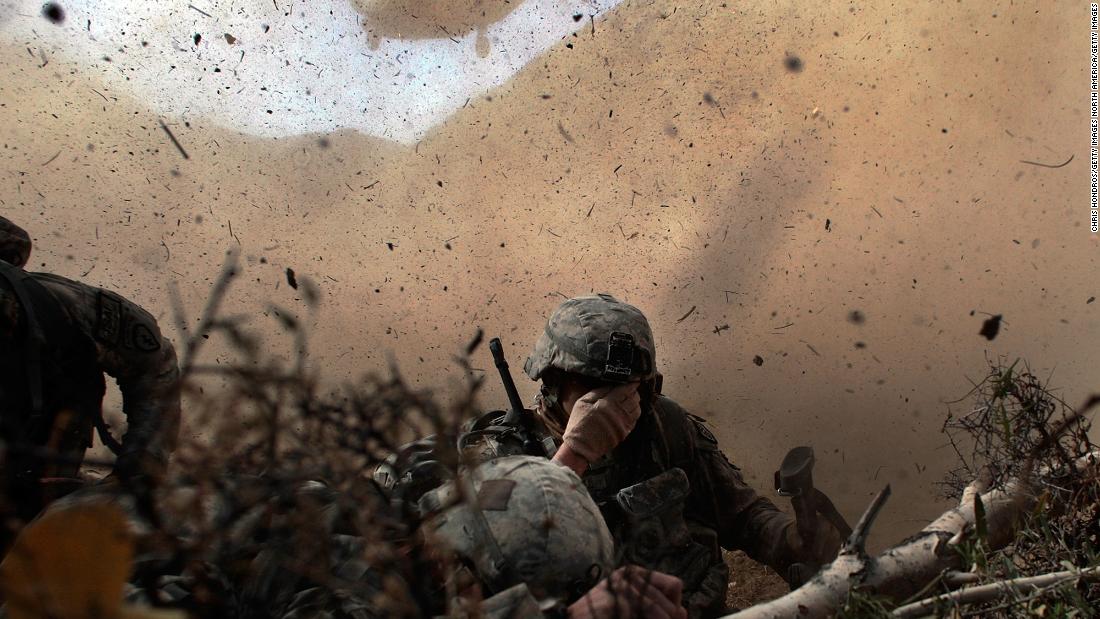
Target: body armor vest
x,y
51,391
642,489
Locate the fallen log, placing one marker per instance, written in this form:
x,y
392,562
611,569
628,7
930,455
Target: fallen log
x,y
910,566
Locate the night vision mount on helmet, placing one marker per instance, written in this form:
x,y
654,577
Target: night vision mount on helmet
x,y
596,336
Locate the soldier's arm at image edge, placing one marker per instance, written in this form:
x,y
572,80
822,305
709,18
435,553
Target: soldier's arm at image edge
x,y
147,376
745,520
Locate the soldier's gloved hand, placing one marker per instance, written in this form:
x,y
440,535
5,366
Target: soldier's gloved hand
x,y
632,591
826,543
821,550
601,419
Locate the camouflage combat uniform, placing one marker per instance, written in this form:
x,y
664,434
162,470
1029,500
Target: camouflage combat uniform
x,y
58,338
669,495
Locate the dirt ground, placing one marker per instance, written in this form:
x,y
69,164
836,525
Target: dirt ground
x,y
750,582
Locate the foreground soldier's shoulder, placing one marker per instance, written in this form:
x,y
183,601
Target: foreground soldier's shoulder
x,y
706,437
705,441
113,320
670,410
76,299
678,430
677,420
67,291
121,323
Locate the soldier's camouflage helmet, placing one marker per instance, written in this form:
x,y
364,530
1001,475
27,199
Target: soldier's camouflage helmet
x,y
534,523
15,243
597,336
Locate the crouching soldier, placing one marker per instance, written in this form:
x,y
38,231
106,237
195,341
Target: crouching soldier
x,y
57,339
667,492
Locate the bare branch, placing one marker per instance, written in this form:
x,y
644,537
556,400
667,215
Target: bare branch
x,y
994,591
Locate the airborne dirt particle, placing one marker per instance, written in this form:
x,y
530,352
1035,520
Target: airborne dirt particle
x,y
758,360
856,317
53,12
175,142
564,133
793,63
197,38
991,327
689,313
291,279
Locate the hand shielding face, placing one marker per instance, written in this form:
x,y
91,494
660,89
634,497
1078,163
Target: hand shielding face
x,y
601,419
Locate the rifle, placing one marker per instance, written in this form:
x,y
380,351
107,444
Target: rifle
x,y
795,479
517,416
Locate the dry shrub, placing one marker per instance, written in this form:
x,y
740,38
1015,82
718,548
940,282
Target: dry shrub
x,y
1017,427
274,513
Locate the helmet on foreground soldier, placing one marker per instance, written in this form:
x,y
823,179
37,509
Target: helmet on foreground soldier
x,y
530,522
15,243
596,336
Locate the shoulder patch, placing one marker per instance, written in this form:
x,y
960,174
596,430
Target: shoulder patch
x,y
709,441
120,324
144,339
108,324
701,427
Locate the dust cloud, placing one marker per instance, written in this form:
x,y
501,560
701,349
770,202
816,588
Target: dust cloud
x,y
839,191
425,19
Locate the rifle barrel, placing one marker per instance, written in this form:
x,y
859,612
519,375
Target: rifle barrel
x,y
515,415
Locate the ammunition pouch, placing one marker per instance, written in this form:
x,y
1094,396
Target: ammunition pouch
x,y
655,535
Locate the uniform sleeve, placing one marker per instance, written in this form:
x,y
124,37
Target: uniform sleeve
x,y
744,519
150,397
130,348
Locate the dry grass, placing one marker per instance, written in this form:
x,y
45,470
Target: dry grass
x,y
751,582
